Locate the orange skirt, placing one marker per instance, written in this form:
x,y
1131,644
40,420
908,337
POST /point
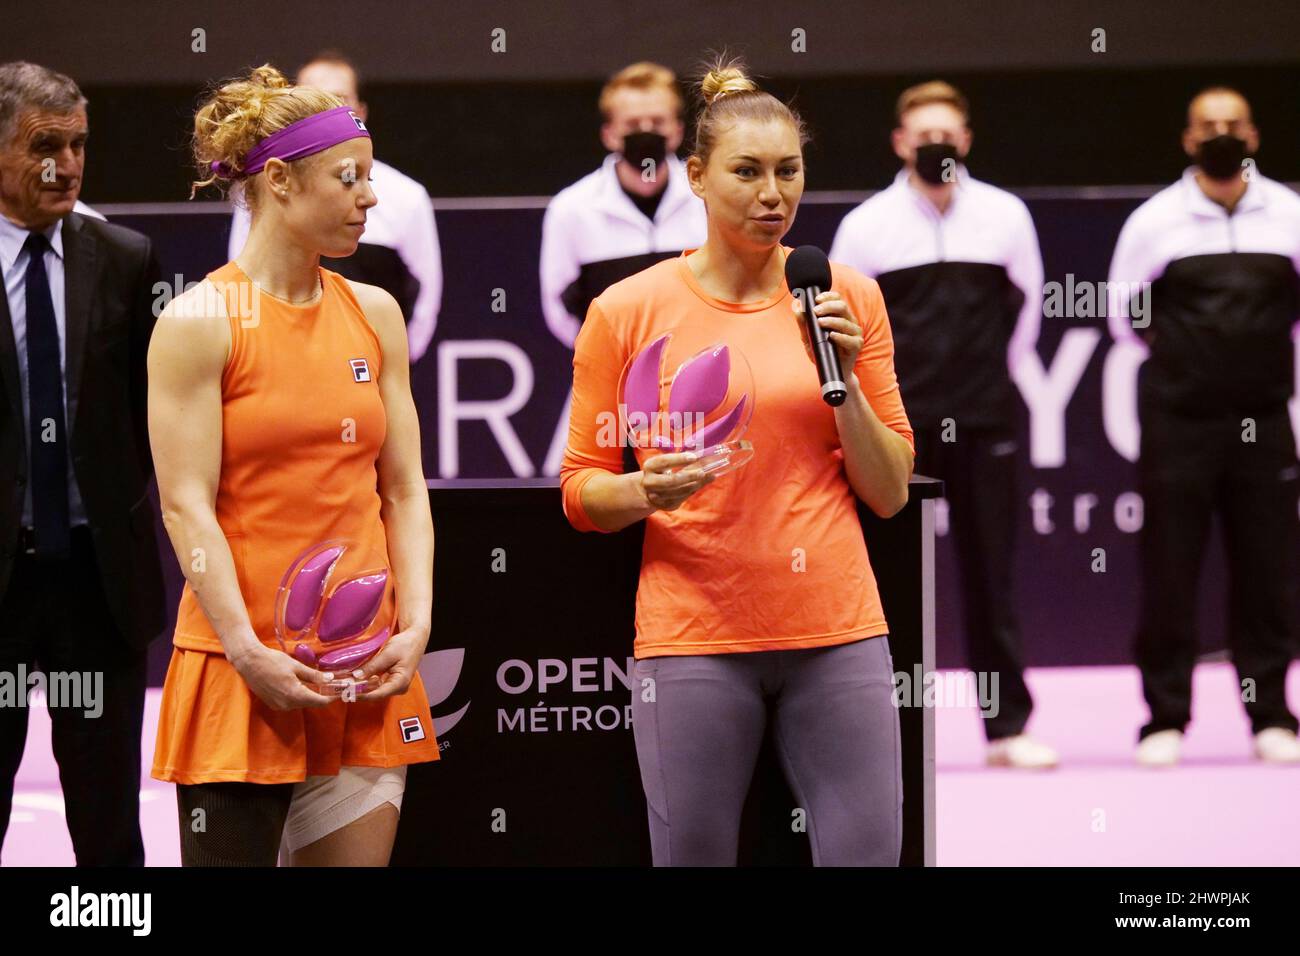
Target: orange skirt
x,y
213,729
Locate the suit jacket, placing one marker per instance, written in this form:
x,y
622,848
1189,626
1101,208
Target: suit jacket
x,y
109,277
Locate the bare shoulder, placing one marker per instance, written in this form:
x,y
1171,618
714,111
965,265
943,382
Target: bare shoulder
x,y
384,315
193,330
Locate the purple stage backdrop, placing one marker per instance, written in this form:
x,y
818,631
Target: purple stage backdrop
x,y
493,386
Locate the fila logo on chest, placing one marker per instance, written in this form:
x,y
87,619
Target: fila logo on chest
x,y
360,369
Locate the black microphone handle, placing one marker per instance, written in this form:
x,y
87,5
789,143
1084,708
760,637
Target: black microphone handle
x,y
827,357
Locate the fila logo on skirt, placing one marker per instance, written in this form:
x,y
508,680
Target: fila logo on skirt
x,y
360,370
412,729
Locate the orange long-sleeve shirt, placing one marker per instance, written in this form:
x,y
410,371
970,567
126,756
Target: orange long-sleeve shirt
x,y
768,557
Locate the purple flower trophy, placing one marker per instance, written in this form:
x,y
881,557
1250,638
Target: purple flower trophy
x,y
340,628
683,392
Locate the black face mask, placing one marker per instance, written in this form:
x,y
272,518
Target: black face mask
x,y
1221,157
638,147
932,162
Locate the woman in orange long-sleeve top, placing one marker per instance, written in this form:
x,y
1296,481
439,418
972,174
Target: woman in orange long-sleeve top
x,y
280,416
755,586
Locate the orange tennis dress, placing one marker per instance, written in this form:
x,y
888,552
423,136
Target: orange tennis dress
x,y
302,425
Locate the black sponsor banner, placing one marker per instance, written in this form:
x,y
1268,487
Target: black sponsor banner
x,y
530,683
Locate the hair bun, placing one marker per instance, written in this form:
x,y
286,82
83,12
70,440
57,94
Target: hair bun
x,y
723,77
269,77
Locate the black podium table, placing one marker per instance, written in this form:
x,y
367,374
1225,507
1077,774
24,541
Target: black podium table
x,y
529,679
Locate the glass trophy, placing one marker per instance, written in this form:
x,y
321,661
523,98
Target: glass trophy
x,y
333,610
688,392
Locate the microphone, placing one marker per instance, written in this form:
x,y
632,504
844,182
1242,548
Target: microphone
x,y
808,274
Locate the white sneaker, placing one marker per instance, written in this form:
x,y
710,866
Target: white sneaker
x,y
1161,749
1277,745
1022,752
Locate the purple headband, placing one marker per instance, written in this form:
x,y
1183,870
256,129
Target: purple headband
x,y
314,134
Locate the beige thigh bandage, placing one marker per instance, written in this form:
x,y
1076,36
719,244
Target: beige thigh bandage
x,y
323,804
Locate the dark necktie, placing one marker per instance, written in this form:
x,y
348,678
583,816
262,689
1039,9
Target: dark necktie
x,y
49,439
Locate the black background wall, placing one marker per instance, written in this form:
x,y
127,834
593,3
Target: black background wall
x,y
467,121
403,40
521,139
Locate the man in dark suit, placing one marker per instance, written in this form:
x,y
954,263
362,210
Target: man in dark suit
x,y
80,580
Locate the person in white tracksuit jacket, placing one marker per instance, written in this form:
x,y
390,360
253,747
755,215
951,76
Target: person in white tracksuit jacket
x,y
399,250
636,209
958,263
1216,257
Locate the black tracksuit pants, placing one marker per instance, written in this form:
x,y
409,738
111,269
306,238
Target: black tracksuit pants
x,y
978,470
1190,469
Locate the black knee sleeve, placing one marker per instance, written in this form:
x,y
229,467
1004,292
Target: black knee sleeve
x,y
232,824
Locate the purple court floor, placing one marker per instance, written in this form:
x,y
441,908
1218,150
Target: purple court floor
x,y
1219,808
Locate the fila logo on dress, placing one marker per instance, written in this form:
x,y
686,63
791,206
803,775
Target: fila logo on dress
x,y
412,729
360,370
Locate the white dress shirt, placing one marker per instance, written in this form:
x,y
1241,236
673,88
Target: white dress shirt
x,y
13,262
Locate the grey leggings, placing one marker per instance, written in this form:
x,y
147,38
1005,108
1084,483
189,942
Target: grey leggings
x,y
699,721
